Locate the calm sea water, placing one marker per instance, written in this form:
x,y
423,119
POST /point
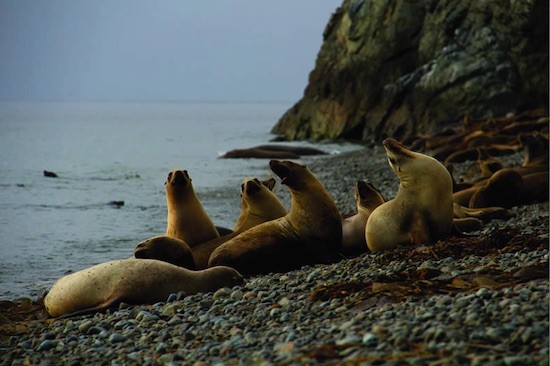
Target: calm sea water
x,y
106,152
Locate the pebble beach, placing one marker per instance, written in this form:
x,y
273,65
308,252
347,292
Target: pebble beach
x,y
482,299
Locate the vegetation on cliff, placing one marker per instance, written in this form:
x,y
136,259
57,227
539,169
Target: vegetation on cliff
x,y
398,67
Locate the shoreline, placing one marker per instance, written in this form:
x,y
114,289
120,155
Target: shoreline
x,y
304,317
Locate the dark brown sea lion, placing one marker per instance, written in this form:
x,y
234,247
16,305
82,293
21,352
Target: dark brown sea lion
x,y
298,150
535,188
258,154
166,248
310,233
133,281
503,189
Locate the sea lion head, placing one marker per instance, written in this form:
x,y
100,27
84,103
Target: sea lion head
x,y
252,186
256,191
367,195
412,167
292,174
166,249
177,184
223,276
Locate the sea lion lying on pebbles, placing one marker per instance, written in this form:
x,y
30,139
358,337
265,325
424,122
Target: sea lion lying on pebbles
x,y
133,281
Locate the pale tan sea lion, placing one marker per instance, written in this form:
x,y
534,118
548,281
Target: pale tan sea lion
x,y
422,211
310,233
133,281
167,249
187,219
367,197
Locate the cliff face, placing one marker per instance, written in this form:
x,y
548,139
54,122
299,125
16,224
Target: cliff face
x,y
396,67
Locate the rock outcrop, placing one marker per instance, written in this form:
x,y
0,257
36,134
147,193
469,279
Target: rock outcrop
x,y
398,67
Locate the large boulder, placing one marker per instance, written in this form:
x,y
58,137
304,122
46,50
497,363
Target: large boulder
x,y
398,67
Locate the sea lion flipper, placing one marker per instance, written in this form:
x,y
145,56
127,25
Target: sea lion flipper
x,y
103,306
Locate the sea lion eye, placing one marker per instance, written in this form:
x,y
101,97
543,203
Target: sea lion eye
x,y
392,161
242,187
257,181
169,177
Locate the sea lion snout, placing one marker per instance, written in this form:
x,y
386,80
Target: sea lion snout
x,y
238,279
179,177
395,147
252,186
140,250
282,170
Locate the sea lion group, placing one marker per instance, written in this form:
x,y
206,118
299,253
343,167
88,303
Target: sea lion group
x,y
193,257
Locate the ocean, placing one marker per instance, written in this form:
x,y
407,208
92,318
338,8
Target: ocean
x,y
113,151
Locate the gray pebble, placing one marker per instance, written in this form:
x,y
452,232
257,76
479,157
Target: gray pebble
x,y
116,338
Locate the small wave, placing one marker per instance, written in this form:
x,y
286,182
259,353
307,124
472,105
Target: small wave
x,y
117,178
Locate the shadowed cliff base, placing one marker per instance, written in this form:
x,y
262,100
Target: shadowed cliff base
x,y
396,68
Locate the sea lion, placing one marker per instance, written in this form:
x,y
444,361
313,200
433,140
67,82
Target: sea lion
x,y
187,220
422,210
166,248
503,189
298,150
133,281
258,154
484,214
466,154
310,233
367,197
258,204
535,188
273,151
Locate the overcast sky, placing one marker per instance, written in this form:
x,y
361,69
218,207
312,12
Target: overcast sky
x,y
226,50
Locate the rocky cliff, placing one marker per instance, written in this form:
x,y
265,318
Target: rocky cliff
x,y
396,67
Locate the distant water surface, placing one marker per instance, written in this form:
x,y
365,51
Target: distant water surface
x,y
106,152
